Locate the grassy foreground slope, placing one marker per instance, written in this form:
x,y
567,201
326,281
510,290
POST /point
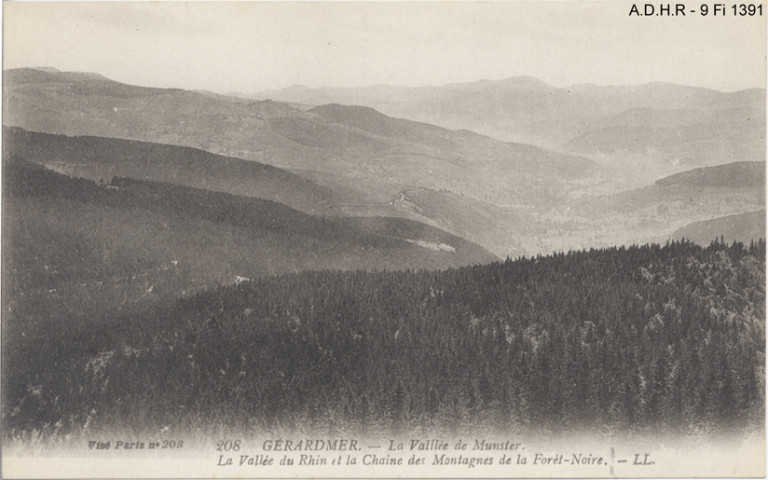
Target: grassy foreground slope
x,y
642,339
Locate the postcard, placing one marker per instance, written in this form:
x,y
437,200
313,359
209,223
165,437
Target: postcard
x,y
383,239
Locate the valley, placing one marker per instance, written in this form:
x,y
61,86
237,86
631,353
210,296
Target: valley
x,y
672,127
345,160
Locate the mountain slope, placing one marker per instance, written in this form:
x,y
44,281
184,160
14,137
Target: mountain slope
x,y
654,212
81,104
738,174
271,132
524,346
674,124
744,228
511,198
471,147
100,159
70,243
715,137
362,156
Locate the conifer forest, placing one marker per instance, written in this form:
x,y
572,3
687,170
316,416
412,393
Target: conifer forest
x,y
661,338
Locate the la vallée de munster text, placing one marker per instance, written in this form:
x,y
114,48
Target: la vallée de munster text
x,y
433,445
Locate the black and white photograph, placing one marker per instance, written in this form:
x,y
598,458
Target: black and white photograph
x,y
353,239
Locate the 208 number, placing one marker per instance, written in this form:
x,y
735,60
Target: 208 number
x,y
228,445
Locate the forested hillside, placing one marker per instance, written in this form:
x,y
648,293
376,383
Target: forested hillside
x,y
737,174
73,247
743,228
100,159
662,338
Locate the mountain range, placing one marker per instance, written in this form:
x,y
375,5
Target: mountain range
x,y
375,164
673,126
358,160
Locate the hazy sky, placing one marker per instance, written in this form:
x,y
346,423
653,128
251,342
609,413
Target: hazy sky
x,y
248,47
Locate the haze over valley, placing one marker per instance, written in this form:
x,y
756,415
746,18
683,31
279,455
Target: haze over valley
x,y
597,181
668,126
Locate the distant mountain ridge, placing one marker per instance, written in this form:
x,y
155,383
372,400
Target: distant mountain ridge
x,y
513,199
50,74
363,156
76,104
673,203
739,174
707,126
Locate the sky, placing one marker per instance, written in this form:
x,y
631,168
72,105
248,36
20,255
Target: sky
x,y
248,47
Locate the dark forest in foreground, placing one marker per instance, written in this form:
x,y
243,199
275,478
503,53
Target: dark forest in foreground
x,y
624,338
